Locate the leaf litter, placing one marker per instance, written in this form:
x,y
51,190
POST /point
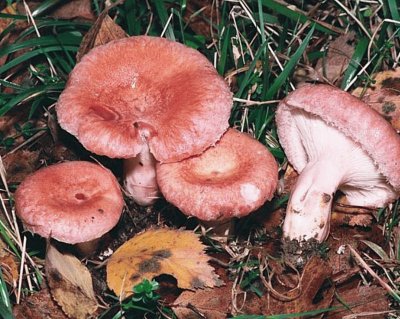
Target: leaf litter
x,y
155,252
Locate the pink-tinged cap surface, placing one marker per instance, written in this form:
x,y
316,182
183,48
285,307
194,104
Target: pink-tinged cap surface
x,y
72,202
349,115
145,89
231,179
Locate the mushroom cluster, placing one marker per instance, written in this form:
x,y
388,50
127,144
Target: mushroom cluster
x,y
150,100
336,142
145,99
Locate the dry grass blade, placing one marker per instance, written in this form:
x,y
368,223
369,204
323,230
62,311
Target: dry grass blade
x,y
364,265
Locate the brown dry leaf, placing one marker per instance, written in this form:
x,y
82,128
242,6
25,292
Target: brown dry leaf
x,y
314,293
4,22
103,31
8,265
339,256
211,303
161,251
20,164
200,15
384,95
70,284
74,9
216,303
345,214
71,9
289,179
362,300
338,58
39,305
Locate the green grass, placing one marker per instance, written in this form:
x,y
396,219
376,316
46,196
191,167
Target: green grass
x,y
262,41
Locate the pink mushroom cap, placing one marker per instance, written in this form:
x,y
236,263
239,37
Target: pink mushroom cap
x,y
145,89
231,179
73,202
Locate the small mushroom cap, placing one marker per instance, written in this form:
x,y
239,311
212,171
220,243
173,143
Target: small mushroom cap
x,y
145,89
349,115
73,202
231,179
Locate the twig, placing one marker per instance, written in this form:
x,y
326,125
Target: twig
x,y
21,270
364,265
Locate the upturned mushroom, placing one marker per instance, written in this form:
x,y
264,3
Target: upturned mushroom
x,y
145,99
73,202
231,179
335,141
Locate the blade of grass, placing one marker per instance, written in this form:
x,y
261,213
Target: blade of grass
x,y
295,15
226,38
163,15
351,71
5,304
44,6
67,38
9,241
245,82
29,94
29,55
72,26
130,17
290,65
11,85
394,10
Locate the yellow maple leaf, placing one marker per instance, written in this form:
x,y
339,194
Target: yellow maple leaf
x,y
161,251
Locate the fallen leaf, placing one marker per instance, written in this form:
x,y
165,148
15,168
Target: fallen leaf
x,y
383,95
161,251
4,22
217,303
289,179
38,305
364,301
70,284
8,265
345,214
336,61
211,303
341,237
314,293
200,16
20,164
103,31
74,9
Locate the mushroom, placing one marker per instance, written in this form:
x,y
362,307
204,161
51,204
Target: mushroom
x,y
145,99
73,202
335,141
231,179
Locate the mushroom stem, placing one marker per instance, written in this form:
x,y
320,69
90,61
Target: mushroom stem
x,y
309,208
87,248
140,177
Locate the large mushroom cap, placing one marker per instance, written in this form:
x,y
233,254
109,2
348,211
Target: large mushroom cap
x,y
145,89
349,115
73,202
231,179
